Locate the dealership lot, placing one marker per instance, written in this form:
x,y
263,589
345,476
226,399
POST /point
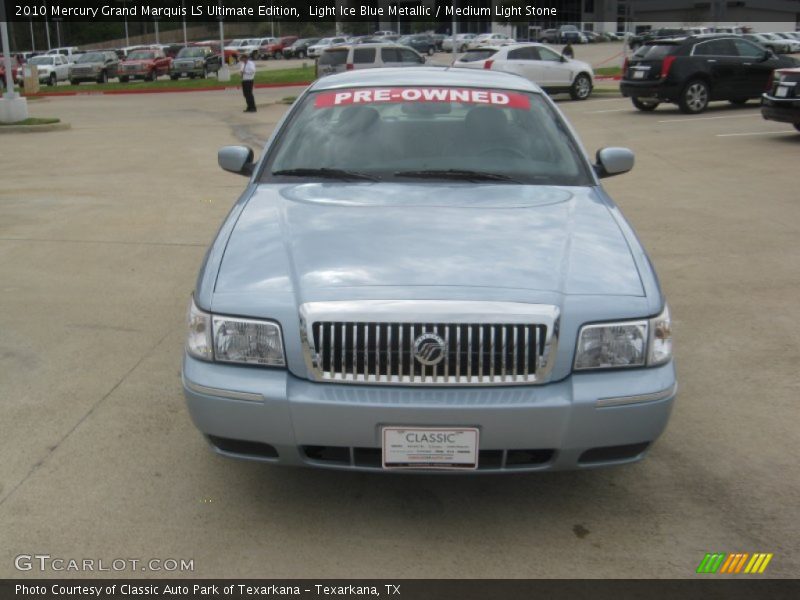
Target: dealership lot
x,y
103,228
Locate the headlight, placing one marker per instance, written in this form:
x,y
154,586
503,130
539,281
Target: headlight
x,y
625,344
248,341
231,340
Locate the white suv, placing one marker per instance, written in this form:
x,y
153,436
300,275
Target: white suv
x,y
366,56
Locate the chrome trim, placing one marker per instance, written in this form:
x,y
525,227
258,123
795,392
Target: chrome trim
x,y
543,319
220,393
638,399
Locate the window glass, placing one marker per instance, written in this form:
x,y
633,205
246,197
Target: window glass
x,y
547,54
407,56
390,55
476,55
363,55
748,50
529,53
333,57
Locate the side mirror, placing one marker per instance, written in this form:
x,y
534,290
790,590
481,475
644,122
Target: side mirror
x,y
767,55
613,161
236,159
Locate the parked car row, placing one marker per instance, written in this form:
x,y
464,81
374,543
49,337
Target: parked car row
x,y
350,57
780,43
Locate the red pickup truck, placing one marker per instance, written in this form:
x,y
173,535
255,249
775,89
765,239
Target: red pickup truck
x,y
147,64
275,50
14,72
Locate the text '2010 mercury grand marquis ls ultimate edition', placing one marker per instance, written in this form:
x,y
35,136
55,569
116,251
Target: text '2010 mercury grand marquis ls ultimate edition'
x,y
424,273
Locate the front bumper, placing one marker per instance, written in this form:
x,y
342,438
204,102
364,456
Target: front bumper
x,y
584,421
780,109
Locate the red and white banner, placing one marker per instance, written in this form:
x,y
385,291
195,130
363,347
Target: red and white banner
x,y
422,94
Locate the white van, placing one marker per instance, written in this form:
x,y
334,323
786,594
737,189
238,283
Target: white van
x,y
366,56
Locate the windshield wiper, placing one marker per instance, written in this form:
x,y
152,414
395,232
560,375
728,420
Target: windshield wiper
x,y
327,173
463,174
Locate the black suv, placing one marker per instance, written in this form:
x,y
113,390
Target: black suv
x,y
693,71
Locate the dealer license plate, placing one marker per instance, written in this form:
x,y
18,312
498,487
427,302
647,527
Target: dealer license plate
x,y
638,74
782,91
184,74
430,448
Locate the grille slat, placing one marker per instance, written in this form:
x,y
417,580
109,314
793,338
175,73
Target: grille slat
x,y
375,352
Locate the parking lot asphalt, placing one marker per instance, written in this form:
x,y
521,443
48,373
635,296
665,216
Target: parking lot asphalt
x,y
102,231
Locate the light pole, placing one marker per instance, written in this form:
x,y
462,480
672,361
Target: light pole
x,y
156,25
47,25
13,108
185,42
33,38
224,73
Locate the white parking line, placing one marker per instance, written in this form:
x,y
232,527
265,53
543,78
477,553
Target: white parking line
x,y
708,118
596,112
755,133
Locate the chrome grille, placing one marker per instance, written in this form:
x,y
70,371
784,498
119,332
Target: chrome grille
x,y
491,349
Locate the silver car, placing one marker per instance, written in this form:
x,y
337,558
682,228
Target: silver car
x,y
424,273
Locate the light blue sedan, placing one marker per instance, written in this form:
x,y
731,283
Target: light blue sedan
x,y
424,273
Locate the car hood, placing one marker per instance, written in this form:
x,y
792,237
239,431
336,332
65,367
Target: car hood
x,y
138,63
311,237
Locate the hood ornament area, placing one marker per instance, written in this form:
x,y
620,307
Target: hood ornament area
x,y
429,349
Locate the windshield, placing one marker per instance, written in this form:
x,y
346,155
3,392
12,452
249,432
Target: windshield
x,y
476,55
141,55
41,60
191,53
457,134
91,57
325,41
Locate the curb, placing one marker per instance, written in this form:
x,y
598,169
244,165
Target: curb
x,y
35,128
608,78
166,91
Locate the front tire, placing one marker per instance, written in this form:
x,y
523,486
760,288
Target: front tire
x,y
430,51
301,54
797,126
581,88
74,82
123,80
103,78
645,105
694,97
52,81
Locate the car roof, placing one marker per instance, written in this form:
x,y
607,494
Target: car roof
x,y
433,76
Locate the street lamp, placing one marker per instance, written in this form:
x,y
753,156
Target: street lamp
x,y
224,73
13,107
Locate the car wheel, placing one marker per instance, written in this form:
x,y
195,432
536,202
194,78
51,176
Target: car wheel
x,y
797,126
430,51
694,98
645,105
74,82
301,54
52,81
174,77
103,78
153,75
581,88
462,49
205,72
738,101
192,75
123,80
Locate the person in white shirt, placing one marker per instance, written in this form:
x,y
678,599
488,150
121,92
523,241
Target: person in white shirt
x,y
247,69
